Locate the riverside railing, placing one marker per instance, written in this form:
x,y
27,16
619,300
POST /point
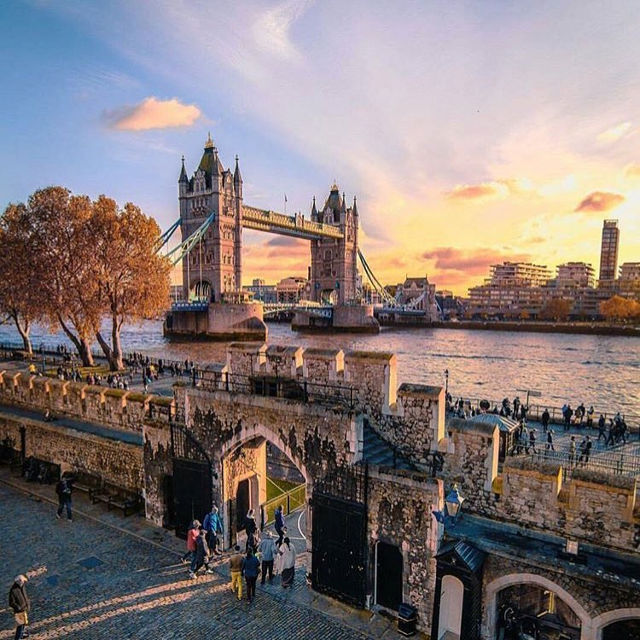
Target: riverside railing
x,y
290,501
618,462
535,411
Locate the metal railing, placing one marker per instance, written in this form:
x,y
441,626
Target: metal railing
x,y
535,411
276,387
290,501
617,462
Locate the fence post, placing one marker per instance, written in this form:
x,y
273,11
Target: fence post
x,y
288,504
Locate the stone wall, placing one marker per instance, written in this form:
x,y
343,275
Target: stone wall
x,y
118,409
158,471
589,507
400,506
115,462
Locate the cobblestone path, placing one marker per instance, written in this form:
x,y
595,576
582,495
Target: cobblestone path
x,y
90,581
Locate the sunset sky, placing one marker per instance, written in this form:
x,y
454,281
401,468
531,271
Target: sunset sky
x,y
471,132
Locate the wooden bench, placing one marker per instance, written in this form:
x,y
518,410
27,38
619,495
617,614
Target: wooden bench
x,y
42,471
116,497
86,482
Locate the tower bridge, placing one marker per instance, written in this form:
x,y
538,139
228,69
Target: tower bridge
x,y
213,215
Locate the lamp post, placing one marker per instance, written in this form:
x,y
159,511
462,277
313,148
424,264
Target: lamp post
x,y
453,504
446,383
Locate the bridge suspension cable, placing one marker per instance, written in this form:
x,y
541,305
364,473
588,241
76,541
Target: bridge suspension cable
x,y
166,236
178,253
375,283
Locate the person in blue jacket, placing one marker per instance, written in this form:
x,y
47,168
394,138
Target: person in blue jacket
x,y
212,524
251,569
279,524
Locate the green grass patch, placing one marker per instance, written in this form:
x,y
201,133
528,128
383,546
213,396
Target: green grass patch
x,y
274,491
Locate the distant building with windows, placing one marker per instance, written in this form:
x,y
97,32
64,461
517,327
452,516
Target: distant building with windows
x,y
574,274
514,289
629,279
609,252
292,290
261,291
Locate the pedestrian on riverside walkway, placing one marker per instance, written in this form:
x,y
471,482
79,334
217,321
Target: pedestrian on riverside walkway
x,y
267,550
251,569
572,450
602,431
532,441
288,563
235,568
20,605
279,524
63,490
585,450
545,419
549,444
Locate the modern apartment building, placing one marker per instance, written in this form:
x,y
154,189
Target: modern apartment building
x,y
574,274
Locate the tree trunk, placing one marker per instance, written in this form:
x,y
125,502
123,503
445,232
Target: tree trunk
x,y
81,344
23,330
114,356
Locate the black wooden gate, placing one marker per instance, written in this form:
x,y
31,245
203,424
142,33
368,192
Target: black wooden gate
x,y
339,549
192,483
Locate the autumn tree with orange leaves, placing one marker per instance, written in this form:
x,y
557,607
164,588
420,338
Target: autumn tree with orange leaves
x,y
19,298
621,309
80,262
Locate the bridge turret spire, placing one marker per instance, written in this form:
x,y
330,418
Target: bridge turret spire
x,y
344,202
237,177
183,173
355,206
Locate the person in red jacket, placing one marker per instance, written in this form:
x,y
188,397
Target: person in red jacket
x,y
192,537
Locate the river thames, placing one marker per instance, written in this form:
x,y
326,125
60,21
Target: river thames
x,y
599,370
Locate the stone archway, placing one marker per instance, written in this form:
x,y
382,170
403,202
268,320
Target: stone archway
x,y
256,436
601,622
496,586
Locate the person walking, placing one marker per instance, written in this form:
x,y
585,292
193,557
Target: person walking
x,y
212,524
235,568
602,431
192,536
287,563
532,441
267,550
279,524
585,450
251,569
545,419
549,444
64,489
572,451
20,605
201,556
251,529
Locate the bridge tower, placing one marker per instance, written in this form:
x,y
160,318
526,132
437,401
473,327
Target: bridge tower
x,y
214,268
334,261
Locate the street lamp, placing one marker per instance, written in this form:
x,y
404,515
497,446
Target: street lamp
x,y
453,503
446,383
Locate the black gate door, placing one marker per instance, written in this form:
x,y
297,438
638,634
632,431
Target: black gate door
x,y
339,549
192,488
388,575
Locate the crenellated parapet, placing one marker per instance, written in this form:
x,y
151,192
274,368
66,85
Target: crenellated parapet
x,y
125,410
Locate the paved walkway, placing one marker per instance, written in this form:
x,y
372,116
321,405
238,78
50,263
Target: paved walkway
x,y
102,576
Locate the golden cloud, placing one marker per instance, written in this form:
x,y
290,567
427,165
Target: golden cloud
x,y
600,201
632,171
152,113
615,133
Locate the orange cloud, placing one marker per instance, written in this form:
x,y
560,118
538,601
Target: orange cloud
x,y
474,191
472,262
152,113
600,201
